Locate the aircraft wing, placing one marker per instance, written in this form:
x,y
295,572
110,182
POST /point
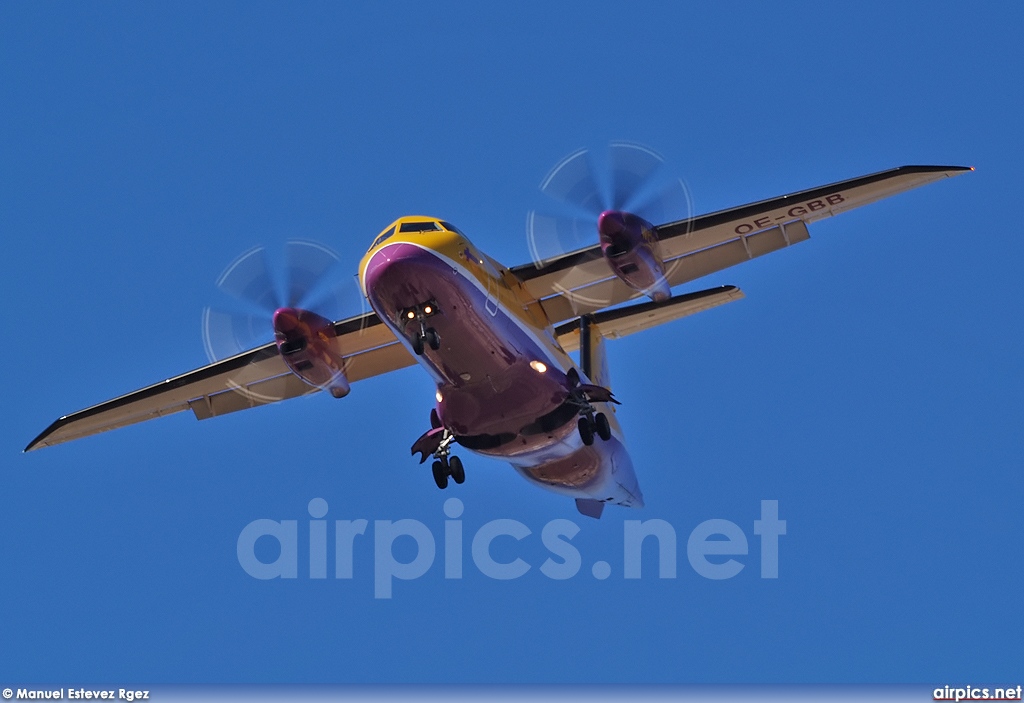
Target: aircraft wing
x,y
255,377
581,282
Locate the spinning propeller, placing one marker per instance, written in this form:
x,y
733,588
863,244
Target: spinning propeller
x,y
612,198
260,303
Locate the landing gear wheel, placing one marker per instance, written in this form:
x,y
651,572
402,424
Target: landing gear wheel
x,y
601,425
586,430
432,338
440,475
417,345
458,472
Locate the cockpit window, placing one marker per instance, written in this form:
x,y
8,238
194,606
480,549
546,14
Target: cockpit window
x,y
451,228
419,227
381,238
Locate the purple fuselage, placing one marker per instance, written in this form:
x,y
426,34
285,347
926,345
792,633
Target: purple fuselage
x,y
491,397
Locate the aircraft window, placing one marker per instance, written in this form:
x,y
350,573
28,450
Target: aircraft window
x,y
451,228
419,227
382,237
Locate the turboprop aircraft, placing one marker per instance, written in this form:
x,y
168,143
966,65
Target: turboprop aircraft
x,y
497,340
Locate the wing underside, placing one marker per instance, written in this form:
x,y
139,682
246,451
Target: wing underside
x,y
253,378
581,282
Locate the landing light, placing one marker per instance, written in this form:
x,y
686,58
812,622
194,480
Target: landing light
x,y
438,396
427,310
538,366
410,314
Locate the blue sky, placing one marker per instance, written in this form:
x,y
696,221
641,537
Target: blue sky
x,y
870,381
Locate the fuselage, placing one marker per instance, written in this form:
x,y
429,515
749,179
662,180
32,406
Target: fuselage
x,y
503,384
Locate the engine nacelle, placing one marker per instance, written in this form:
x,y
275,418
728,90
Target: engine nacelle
x,y
306,343
631,248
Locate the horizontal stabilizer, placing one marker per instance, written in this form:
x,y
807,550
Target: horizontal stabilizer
x,y
623,321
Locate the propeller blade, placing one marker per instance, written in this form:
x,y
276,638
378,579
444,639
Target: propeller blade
x,y
573,183
633,169
311,278
226,333
248,279
631,178
551,236
306,267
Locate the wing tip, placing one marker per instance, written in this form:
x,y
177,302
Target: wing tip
x,y
954,170
40,440
35,443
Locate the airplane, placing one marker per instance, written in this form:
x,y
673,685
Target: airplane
x,y
497,340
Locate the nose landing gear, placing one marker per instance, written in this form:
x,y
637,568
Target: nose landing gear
x,y
426,336
422,335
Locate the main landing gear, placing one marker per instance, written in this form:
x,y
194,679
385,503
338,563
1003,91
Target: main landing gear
x,y
437,442
591,422
448,466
